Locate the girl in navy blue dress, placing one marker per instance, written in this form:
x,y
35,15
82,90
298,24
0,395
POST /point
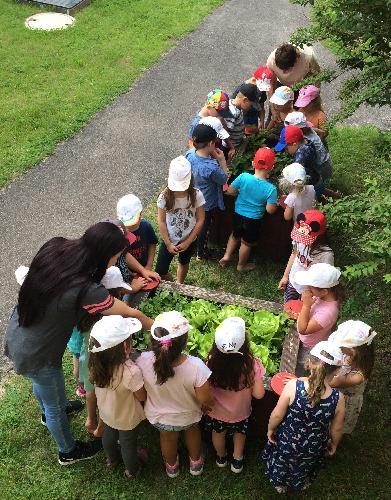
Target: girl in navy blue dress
x,y
306,424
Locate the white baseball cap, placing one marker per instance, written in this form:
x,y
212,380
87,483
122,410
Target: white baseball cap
x,y
129,209
179,174
112,330
297,118
282,95
320,275
294,172
352,333
113,279
172,321
230,335
216,124
327,352
21,273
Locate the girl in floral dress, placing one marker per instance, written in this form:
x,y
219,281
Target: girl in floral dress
x,y
306,425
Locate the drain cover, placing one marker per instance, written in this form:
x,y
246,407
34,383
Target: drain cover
x,y
49,21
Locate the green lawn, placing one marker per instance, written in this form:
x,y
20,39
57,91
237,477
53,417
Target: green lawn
x,y
53,82
28,467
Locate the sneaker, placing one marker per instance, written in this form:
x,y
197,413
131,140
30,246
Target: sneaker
x,y
172,470
221,461
281,489
72,408
82,451
237,465
197,466
80,391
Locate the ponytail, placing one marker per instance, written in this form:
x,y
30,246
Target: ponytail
x,y
316,380
166,354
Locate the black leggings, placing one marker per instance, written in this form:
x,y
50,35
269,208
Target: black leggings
x,y
128,447
202,241
164,258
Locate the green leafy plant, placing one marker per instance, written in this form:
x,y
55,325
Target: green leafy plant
x,y
266,330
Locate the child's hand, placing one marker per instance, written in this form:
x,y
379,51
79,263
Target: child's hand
x,y
138,283
218,154
331,449
283,282
231,153
307,298
172,249
183,245
271,436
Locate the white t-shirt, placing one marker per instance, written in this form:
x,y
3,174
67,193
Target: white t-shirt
x,y
181,220
303,261
174,402
300,202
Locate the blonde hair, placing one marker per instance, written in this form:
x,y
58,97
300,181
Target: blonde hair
x,y
287,187
316,380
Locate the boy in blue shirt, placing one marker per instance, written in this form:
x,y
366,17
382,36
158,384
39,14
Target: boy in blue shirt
x,y
210,172
255,195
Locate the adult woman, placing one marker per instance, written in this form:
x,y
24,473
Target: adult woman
x,y
61,288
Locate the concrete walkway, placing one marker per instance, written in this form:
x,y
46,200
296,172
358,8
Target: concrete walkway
x,y
128,146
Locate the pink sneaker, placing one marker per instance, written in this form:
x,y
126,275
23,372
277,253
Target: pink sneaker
x,y
172,470
80,391
196,466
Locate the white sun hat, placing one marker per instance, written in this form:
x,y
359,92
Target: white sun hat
x,y
319,275
21,273
352,333
282,95
216,124
179,174
129,209
230,335
294,172
172,321
113,279
297,118
112,330
327,352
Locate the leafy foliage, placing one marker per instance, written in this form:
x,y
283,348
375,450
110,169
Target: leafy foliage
x,y
266,330
360,30
364,221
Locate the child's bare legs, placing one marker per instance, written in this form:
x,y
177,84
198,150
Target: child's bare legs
x,y
232,245
75,363
193,442
169,446
181,272
239,440
92,419
219,443
244,254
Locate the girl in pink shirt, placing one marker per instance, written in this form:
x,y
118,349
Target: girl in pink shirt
x,y
236,377
177,389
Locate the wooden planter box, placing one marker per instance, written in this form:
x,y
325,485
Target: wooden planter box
x,y
274,238
261,407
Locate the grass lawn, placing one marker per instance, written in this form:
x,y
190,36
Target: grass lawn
x,y
28,467
53,82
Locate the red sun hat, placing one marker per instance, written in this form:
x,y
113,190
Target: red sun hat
x,y
264,158
265,78
309,225
293,134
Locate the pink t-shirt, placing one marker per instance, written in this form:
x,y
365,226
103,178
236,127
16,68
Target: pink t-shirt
x,y
326,315
118,408
234,406
174,402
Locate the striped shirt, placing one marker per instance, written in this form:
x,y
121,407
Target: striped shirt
x,y
235,125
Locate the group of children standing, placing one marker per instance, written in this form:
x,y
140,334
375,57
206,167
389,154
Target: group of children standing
x,y
174,390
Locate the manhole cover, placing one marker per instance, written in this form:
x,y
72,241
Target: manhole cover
x,y
49,21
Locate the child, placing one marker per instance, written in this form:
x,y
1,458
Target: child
x,y
177,388
181,216
74,345
236,377
217,104
281,103
306,424
303,151
354,338
143,249
309,103
210,173
301,197
255,195
309,247
321,303
119,388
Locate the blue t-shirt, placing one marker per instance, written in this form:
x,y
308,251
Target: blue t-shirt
x,y
194,123
146,236
253,195
209,178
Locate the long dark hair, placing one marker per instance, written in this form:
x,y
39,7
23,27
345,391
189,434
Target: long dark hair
x,y
232,372
102,365
166,355
169,197
363,358
62,264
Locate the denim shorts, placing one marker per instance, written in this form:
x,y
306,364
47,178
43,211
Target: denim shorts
x,y
172,428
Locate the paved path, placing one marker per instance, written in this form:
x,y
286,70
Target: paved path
x,y
128,146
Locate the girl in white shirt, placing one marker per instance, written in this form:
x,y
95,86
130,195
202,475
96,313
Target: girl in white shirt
x,y
301,197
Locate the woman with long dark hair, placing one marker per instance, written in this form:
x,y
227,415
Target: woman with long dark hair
x,y
61,288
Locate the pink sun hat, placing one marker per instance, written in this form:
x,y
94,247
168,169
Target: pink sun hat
x,y
307,95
